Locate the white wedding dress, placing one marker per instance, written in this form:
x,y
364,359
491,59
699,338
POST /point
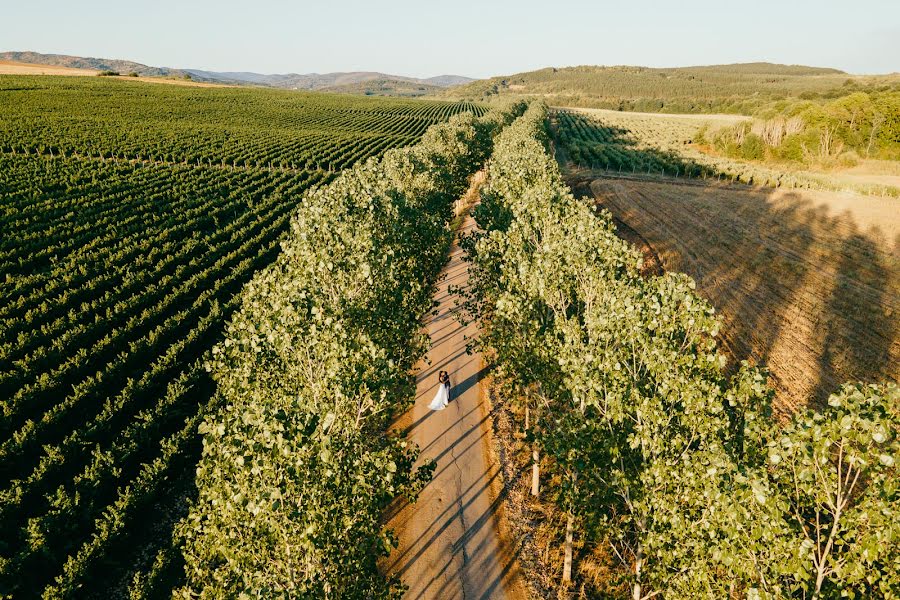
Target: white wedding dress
x,y
441,397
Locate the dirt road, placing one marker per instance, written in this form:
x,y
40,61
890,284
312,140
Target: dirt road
x,y
449,542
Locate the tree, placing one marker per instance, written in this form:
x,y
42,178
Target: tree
x,y
835,473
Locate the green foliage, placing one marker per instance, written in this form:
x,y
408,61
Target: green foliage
x,y
753,147
659,453
658,145
833,479
701,137
866,123
297,468
592,143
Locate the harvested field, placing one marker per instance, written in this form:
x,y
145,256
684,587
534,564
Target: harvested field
x,y
174,81
10,67
808,283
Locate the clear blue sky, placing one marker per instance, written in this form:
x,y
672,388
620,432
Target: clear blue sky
x,y
465,37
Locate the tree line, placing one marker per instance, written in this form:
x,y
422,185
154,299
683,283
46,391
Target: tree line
x,y
656,449
842,130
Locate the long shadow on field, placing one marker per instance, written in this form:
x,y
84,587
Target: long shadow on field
x,y
860,304
802,285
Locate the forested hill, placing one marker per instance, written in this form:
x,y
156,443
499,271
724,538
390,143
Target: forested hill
x,y
738,88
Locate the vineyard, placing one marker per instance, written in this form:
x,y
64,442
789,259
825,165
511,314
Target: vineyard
x,y
634,144
225,127
297,469
665,462
133,215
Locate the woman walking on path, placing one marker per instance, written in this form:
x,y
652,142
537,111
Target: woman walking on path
x,y
442,396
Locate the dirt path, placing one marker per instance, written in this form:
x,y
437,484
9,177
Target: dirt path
x,y
449,542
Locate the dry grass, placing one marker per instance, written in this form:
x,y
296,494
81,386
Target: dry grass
x,y
171,81
807,283
676,132
537,526
9,67
880,172
698,120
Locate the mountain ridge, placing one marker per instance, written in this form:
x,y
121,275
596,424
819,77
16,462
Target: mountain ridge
x,y
300,81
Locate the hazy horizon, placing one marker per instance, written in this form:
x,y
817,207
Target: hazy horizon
x,y
272,36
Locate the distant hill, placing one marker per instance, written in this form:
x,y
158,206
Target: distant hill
x,y
385,87
447,80
328,81
764,68
97,64
298,81
738,88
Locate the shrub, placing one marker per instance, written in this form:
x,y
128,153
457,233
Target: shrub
x,y
753,147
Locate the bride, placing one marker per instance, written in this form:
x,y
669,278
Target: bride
x,y
442,396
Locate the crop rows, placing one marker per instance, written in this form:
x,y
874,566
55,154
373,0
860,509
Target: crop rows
x,y
116,277
588,142
297,470
663,146
262,128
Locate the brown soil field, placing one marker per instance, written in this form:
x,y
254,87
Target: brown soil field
x,y
169,81
9,67
807,284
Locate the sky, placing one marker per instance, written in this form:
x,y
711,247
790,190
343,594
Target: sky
x,y
464,37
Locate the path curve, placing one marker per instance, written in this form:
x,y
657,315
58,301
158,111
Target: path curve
x,y
450,546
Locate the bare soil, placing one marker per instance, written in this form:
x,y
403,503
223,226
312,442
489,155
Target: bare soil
x,y
9,67
808,284
171,81
712,118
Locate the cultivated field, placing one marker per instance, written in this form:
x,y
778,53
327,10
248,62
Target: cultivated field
x,y
806,280
132,216
665,144
218,305
808,283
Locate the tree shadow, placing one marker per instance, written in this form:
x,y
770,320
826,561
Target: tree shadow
x,y
807,284
861,318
